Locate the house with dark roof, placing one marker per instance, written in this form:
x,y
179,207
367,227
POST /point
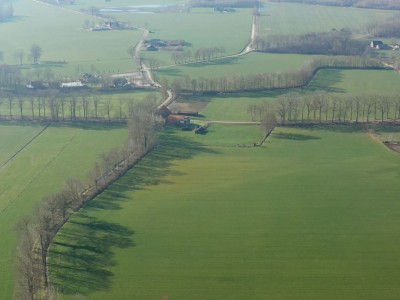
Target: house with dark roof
x,y
378,45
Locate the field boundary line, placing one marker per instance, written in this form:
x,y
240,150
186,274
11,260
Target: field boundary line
x,y
37,174
23,147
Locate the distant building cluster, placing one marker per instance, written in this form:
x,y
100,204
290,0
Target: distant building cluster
x,y
380,45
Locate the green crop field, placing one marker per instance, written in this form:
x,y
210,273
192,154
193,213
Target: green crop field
x,y
359,82
252,63
59,153
203,28
333,82
14,139
84,4
295,18
312,215
61,36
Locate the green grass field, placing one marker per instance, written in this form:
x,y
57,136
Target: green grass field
x,y
59,153
252,63
333,82
60,34
359,82
202,28
15,139
296,18
312,215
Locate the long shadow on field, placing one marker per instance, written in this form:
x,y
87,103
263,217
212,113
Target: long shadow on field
x,y
335,127
82,256
327,81
151,171
295,136
83,252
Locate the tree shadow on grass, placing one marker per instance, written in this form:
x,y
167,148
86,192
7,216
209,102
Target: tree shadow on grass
x,y
326,82
335,127
82,255
295,136
83,252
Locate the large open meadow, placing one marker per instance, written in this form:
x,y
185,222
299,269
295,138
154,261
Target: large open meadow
x,y
311,215
67,48
296,18
201,28
60,152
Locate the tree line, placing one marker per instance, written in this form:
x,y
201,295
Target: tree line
x,y
335,42
376,4
389,28
225,3
6,10
268,81
53,106
202,54
36,232
323,107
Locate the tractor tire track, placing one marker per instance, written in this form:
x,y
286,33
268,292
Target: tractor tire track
x,y
38,173
23,147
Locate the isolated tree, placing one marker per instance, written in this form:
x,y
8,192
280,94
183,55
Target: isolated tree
x,y
131,51
10,104
269,122
21,102
36,53
19,56
27,269
107,108
96,101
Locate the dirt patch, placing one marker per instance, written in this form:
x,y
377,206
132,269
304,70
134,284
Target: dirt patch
x,y
394,146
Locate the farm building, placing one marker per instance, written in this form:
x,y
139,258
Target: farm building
x,y
163,111
75,84
177,120
377,45
37,85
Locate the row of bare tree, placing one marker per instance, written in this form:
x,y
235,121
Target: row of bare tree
x,y
48,105
323,107
335,42
266,81
376,4
202,54
37,231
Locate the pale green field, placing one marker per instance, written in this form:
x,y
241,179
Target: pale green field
x,y
202,28
60,34
83,4
252,63
14,139
59,153
295,18
361,82
304,217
